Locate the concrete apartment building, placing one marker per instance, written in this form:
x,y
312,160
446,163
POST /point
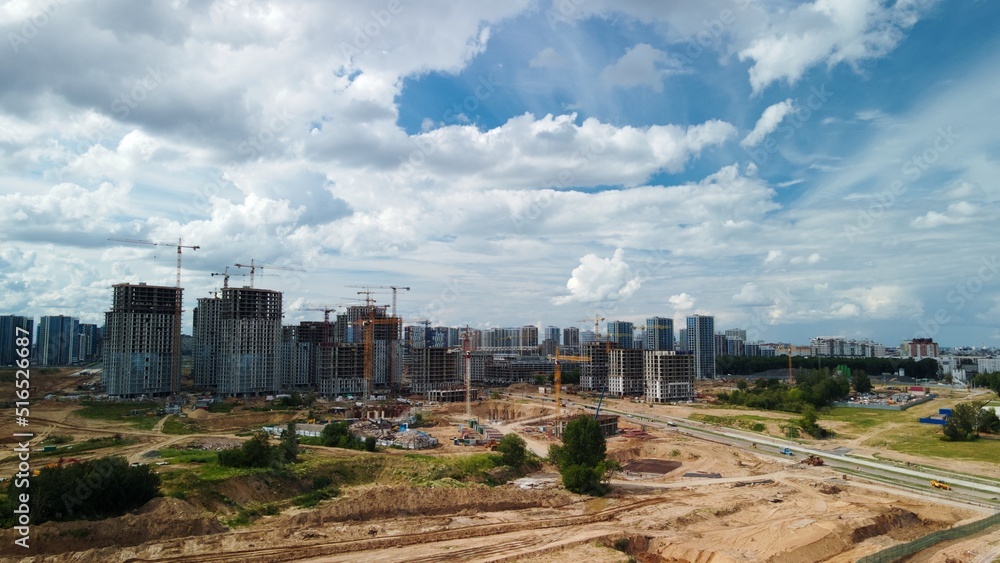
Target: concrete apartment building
x,y
659,333
248,341
919,348
58,342
668,376
838,346
625,372
434,369
139,352
594,374
8,333
621,333
701,342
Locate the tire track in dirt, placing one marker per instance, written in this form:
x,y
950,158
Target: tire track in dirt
x,y
339,547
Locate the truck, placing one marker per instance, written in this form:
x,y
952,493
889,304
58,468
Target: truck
x,y
940,485
785,451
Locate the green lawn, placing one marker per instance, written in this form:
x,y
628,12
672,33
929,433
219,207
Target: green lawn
x,y
908,435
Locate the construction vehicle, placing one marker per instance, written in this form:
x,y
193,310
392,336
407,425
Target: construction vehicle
x,y
812,460
785,451
940,485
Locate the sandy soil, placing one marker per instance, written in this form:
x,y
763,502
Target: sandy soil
x,y
760,509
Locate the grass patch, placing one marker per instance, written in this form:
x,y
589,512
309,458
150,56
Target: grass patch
x,y
9,375
753,423
101,410
57,439
221,407
250,513
312,498
89,445
909,436
178,425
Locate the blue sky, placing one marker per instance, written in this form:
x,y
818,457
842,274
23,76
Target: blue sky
x,y
794,168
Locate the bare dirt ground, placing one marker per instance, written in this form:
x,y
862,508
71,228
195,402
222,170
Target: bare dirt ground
x,y
759,509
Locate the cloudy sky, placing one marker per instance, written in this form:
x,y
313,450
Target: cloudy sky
x,y
794,168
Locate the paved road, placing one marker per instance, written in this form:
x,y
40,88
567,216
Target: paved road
x,y
965,490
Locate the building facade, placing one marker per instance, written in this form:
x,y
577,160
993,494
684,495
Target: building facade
x,y
249,342
701,342
625,372
58,342
669,376
9,333
621,333
139,347
659,333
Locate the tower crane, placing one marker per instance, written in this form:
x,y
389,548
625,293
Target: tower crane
x,y
557,375
597,325
467,352
255,266
394,289
327,309
225,277
175,381
368,338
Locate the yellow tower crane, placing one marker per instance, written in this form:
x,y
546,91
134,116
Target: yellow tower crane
x,y
557,375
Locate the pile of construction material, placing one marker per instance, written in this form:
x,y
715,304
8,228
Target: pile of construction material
x,y
378,430
414,440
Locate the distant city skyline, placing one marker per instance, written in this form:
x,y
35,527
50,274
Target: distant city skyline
x,y
792,169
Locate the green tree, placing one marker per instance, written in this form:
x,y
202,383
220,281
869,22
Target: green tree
x,y
290,444
860,381
583,442
989,380
581,457
988,421
513,450
571,376
255,452
92,489
963,424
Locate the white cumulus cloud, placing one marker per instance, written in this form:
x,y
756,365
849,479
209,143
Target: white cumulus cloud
x,y
601,279
682,301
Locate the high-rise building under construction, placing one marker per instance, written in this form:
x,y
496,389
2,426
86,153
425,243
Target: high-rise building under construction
x,y
238,341
139,355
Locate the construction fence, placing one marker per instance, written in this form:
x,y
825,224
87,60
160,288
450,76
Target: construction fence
x,y
897,552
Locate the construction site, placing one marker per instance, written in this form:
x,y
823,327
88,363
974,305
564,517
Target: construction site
x,y
678,497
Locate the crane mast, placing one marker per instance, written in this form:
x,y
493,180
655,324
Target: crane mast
x,y
175,380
